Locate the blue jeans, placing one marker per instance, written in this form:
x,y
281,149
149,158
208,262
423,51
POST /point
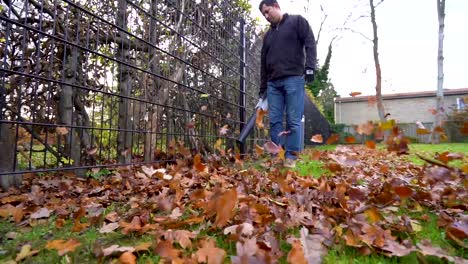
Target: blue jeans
x,y
286,94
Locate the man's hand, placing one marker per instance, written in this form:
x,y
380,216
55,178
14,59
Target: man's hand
x,y
262,103
309,76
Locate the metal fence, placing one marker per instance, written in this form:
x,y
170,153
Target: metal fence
x,y
89,83
452,131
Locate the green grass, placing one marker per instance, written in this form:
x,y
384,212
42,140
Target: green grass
x,y
426,150
429,230
314,168
322,147
38,235
429,150
345,255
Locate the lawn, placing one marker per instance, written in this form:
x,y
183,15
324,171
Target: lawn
x,y
202,211
430,230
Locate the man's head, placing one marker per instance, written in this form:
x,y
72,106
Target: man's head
x,y
271,11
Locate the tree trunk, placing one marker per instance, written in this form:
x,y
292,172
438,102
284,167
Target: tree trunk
x,y
378,70
72,149
440,73
163,93
151,137
7,159
124,138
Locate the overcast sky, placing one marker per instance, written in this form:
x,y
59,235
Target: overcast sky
x,y
408,39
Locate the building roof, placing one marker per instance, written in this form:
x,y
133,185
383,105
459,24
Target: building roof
x,y
461,91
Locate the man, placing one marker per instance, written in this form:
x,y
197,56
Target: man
x,y
288,61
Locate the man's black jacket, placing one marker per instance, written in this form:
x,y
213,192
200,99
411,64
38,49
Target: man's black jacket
x,y
288,48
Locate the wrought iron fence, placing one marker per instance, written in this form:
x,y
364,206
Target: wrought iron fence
x,y
88,83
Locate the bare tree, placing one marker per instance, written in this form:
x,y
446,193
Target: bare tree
x,y
440,72
375,49
378,69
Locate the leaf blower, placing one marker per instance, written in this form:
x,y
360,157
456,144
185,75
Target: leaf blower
x,y
263,104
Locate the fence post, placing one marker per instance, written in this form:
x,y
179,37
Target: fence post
x,y
242,80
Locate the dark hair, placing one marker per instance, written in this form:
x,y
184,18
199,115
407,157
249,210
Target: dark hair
x,y
267,2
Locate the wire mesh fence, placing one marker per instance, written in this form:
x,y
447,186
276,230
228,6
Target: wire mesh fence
x,y
89,83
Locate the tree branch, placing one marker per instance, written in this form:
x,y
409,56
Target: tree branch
x,y
379,3
321,26
36,136
42,7
356,32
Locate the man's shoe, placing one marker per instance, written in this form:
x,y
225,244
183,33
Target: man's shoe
x,y
289,163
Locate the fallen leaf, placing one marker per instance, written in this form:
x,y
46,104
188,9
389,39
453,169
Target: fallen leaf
x,y
354,94
61,130
223,130
317,138
190,125
182,237
439,129
133,226
11,235
258,150
396,249
415,226
127,258
145,246
218,144
350,139
351,239
225,207
373,215
109,228
420,125
41,213
458,231
198,164
464,129
92,151
149,171
59,222
62,246
165,249
365,129
271,148
25,253
116,249
209,253
112,217
176,213
433,111
78,226
296,254
281,154
403,191
465,168
245,229
16,212
387,125
370,144
259,118
427,249
333,139
312,246
424,131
